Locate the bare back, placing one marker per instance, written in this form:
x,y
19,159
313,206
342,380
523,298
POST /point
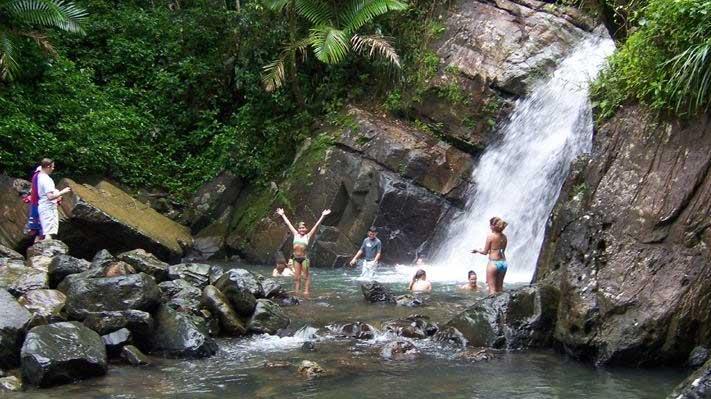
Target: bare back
x,y
496,245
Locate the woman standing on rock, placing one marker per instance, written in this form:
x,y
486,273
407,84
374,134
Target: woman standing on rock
x,y
299,254
48,197
495,246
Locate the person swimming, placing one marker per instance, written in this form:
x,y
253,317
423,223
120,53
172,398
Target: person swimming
x,y
419,282
283,268
472,282
495,248
302,236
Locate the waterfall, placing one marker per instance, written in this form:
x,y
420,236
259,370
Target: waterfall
x,y
520,175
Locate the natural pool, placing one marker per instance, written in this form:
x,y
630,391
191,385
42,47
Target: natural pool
x,y
259,367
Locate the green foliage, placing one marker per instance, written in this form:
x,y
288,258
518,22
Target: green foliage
x,y
665,63
22,21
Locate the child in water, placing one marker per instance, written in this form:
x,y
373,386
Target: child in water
x,y
283,269
472,283
419,282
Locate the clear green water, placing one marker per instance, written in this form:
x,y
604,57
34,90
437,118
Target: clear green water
x,y
263,367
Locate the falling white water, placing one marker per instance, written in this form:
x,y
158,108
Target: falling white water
x,y
519,177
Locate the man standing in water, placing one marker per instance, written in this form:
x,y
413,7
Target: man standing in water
x,y
48,198
371,248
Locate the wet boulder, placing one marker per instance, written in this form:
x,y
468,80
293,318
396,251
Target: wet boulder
x,y
696,386
9,253
238,290
118,268
61,353
135,291
414,326
177,335
19,280
147,263
138,322
104,216
63,265
102,259
197,274
375,292
45,305
134,356
116,340
408,300
218,304
245,279
212,200
357,330
272,288
399,350
13,320
47,248
515,319
171,287
698,357
186,300
268,318
450,337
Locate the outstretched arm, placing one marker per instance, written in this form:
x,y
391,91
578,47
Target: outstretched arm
x,y
357,255
280,211
487,247
325,213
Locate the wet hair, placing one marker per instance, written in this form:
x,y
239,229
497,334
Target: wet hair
x,y
469,275
46,162
373,229
497,224
418,275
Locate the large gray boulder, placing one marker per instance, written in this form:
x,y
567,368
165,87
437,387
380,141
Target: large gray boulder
x,y
517,319
45,305
197,274
268,318
64,265
147,263
135,291
140,323
19,280
219,305
13,321
47,248
61,353
628,243
238,286
177,336
13,212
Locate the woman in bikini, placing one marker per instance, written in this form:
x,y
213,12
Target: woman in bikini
x,y
299,254
495,246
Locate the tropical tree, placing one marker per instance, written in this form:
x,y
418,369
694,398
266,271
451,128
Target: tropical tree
x,y
334,33
28,20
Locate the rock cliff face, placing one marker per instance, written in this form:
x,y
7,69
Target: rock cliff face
x,y
628,243
13,212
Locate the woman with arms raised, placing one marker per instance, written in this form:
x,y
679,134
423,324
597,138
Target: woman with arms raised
x,y
302,236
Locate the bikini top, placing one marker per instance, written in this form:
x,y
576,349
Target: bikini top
x,y
301,240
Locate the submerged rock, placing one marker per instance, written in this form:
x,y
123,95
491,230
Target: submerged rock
x,y
19,280
451,337
13,320
147,263
399,350
515,319
177,335
376,292
310,369
268,318
63,265
357,330
103,216
414,326
218,304
238,286
134,356
135,291
408,300
61,353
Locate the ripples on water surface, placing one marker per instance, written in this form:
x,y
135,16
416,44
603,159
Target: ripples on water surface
x,y
258,367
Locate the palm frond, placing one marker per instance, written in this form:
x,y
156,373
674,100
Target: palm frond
x,y
62,14
273,74
276,5
372,45
316,11
42,41
360,12
8,64
330,45
691,83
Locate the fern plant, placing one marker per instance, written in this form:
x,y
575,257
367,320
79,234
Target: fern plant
x,y
28,20
334,33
